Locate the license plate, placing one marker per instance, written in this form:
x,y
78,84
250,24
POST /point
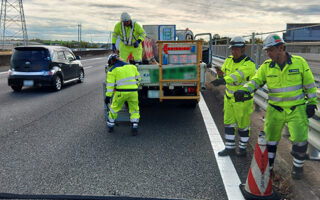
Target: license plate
x,y
28,83
152,94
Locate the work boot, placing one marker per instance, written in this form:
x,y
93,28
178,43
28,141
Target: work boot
x,y
134,129
227,152
297,172
110,129
110,126
242,152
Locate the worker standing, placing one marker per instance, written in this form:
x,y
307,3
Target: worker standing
x,y
292,99
131,36
122,80
236,71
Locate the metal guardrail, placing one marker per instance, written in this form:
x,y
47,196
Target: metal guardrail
x,y
309,51
261,99
89,49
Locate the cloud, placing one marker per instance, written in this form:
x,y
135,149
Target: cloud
x,y
110,6
294,11
57,18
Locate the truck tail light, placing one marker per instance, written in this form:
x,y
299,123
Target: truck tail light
x,y
191,89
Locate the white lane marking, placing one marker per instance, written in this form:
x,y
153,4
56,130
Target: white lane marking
x,y
88,67
6,72
94,59
228,172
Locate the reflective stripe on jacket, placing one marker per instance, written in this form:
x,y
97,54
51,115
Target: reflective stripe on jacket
x,y
236,74
122,76
130,36
291,86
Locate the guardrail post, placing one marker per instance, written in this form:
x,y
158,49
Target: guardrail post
x,y
227,49
215,46
258,56
313,152
252,47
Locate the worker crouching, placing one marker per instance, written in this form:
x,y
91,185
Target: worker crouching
x,y
122,81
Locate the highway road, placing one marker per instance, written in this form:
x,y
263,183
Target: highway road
x,y
57,143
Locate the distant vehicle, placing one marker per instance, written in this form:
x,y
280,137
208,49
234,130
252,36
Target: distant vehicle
x,y
40,65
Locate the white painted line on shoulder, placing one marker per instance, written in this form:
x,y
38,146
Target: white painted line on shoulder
x,y
228,172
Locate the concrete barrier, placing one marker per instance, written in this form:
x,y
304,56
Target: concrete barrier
x,y
91,53
5,59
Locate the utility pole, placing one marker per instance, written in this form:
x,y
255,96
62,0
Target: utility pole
x,y
79,34
13,26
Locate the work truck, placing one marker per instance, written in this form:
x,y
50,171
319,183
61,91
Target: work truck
x,y
182,61
174,66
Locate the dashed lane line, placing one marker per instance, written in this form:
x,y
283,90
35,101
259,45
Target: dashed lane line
x,y
88,67
6,72
99,58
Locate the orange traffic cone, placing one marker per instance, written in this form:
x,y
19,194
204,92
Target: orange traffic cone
x,y
259,183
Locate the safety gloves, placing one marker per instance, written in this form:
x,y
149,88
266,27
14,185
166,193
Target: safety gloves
x,y
219,71
241,95
114,48
136,44
311,109
218,82
107,100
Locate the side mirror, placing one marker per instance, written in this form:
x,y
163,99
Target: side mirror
x,y
78,57
70,59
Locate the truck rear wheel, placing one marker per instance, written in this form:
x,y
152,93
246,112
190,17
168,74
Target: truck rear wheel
x,y
192,103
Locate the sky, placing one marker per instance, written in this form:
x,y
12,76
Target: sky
x,y
58,19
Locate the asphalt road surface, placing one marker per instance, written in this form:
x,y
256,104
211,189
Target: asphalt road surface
x,y
57,143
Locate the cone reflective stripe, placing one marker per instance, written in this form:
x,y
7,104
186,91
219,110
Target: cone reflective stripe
x,y
259,180
259,183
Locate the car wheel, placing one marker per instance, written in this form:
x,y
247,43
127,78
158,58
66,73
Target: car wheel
x,y
16,88
81,77
57,83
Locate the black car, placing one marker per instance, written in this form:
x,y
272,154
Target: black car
x,y
51,66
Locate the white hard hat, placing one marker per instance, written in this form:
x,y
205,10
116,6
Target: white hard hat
x,y
237,41
272,40
112,57
125,17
